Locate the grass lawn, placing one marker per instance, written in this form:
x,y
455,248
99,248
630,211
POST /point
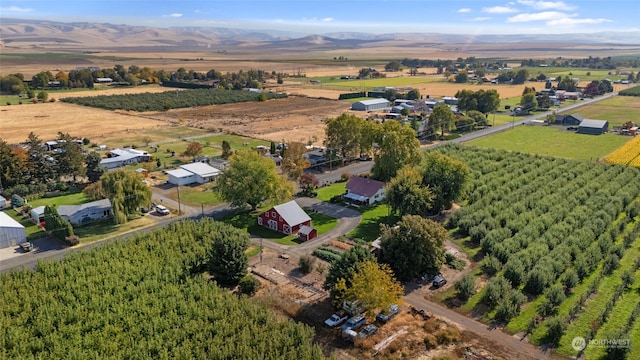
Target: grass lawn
x,y
101,229
617,110
247,221
369,228
325,193
71,199
546,140
196,196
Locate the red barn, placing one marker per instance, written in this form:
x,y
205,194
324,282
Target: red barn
x,y
286,218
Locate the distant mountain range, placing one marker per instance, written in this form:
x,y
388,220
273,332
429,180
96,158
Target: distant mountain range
x,y
20,33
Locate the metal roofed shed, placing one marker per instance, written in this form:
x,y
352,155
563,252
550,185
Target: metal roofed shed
x,y
11,232
593,127
370,105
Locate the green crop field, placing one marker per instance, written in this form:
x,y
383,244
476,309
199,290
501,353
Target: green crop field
x,y
554,141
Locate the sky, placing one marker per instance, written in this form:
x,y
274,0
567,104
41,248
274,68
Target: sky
x,y
319,17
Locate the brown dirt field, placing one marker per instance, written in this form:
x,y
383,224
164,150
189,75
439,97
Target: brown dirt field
x,y
47,119
293,119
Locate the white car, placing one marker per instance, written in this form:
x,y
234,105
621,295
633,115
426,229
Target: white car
x,y
160,209
335,320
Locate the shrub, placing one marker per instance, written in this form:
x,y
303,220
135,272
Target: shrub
x,y
447,336
72,240
555,330
306,263
249,285
490,265
610,264
570,279
555,294
495,291
345,176
466,287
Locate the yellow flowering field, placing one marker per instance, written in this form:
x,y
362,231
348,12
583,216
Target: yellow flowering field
x,y
627,154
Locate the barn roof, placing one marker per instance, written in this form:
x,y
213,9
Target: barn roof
x,y
374,101
292,213
201,169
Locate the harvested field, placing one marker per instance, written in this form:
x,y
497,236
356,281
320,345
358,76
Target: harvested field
x,y
293,119
46,120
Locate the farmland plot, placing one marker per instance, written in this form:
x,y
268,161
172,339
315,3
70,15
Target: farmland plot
x,y
566,234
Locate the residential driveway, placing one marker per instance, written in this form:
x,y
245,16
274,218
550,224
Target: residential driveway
x,y
348,219
13,257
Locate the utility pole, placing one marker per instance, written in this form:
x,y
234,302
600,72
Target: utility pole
x,y
179,209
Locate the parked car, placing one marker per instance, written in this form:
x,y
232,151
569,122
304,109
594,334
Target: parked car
x,y
349,335
368,331
336,319
26,246
384,316
162,210
353,323
439,281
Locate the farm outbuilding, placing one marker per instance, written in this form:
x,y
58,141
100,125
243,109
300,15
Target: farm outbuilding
x,y
11,232
37,214
593,127
196,172
370,105
287,218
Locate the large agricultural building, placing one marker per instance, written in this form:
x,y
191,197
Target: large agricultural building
x,y
11,232
593,127
370,105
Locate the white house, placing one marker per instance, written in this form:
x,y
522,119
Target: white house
x,y
196,172
11,232
84,213
121,157
364,191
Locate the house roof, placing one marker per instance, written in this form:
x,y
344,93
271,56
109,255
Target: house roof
x,y
69,210
292,213
8,222
364,186
180,173
597,124
201,169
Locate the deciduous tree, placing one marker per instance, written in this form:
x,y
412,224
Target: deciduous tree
x,y
344,268
373,286
446,177
193,150
226,149
293,161
441,117
94,170
127,193
414,247
71,161
398,147
343,134
251,179
405,193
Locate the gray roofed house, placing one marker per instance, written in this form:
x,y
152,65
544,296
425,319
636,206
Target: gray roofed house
x,y
84,213
593,127
364,191
572,119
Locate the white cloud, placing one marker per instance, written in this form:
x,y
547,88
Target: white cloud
x,y
571,21
499,10
15,9
480,18
327,19
174,15
541,16
464,10
545,5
